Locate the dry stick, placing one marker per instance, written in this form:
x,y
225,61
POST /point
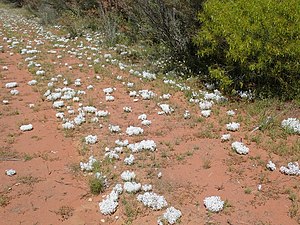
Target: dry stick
x,y
10,159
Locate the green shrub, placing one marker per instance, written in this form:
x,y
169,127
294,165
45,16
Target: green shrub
x,y
171,23
255,44
97,185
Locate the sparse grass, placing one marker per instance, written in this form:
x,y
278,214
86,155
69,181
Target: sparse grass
x,y
7,153
294,208
131,209
65,212
247,190
27,157
28,180
206,163
4,200
97,185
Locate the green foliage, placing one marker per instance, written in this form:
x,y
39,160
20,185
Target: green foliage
x,y
256,44
171,23
97,185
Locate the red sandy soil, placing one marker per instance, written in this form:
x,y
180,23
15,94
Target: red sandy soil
x,y
46,183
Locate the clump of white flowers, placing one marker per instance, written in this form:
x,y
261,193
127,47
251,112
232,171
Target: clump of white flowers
x,y
132,187
114,128
14,92
108,91
206,113
187,114
109,98
68,125
109,205
127,109
171,215
292,125
58,104
102,113
127,175
214,203
225,137
240,148
122,143
230,113
205,105
89,109
146,94
32,82
147,187
91,139
134,130
166,109
233,126
152,200
27,127
89,165
291,169
11,84
149,76
143,145
129,160
271,166
10,172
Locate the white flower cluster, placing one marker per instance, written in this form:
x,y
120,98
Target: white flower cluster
x,y
187,114
127,175
230,113
171,215
58,104
206,113
114,128
10,172
146,94
205,105
271,166
14,92
165,96
27,127
108,91
216,96
240,148
129,160
225,137
109,205
214,203
166,109
89,109
149,76
121,143
32,82
68,125
291,169
11,84
134,130
291,124
152,200
146,187
109,98
91,139
132,187
143,145
102,113
88,166
127,109
233,126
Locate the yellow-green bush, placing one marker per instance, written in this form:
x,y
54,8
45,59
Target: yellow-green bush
x,y
254,44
